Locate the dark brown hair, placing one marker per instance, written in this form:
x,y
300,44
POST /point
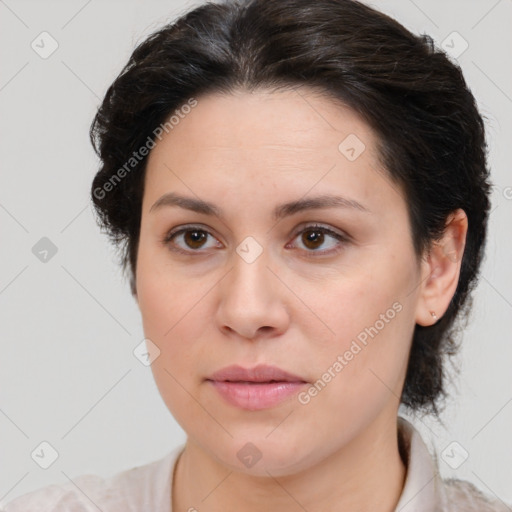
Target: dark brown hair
x,y
431,135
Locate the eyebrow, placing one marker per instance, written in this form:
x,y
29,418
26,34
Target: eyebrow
x,y
279,212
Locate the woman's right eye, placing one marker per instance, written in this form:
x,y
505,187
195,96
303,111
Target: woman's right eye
x,y
188,240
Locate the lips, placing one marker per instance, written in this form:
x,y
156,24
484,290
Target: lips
x,y
261,387
258,374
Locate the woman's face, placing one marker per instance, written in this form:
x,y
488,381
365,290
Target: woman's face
x,y
256,283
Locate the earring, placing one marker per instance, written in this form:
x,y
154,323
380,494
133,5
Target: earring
x,y
434,316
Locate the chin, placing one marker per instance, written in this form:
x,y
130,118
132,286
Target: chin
x,y
258,455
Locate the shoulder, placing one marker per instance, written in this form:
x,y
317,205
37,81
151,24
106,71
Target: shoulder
x,y
145,487
461,495
59,497
425,490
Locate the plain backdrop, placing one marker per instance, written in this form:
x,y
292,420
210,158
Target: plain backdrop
x,y
68,375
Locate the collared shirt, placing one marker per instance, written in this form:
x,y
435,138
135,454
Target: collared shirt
x,y
424,489
148,488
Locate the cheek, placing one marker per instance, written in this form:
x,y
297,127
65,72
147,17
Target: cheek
x,y
168,307
359,374
353,306
174,306
165,295
371,319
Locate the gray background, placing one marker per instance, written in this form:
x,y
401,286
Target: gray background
x,y
69,325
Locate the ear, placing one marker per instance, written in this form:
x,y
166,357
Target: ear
x,y
441,270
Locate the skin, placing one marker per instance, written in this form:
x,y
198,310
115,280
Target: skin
x,y
204,310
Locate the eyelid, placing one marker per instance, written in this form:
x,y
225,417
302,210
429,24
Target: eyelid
x,y
340,236
169,235
327,229
185,227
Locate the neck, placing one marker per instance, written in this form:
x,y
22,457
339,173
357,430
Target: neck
x,y
366,475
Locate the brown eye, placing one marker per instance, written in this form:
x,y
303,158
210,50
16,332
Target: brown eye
x,y
312,238
319,240
190,240
195,238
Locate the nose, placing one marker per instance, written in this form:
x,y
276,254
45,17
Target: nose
x,y
252,300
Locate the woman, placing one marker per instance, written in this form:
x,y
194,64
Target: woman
x,y
302,195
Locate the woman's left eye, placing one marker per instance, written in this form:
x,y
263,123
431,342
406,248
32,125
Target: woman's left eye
x,y
312,239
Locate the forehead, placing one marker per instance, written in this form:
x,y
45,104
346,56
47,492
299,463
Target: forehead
x,y
265,129
302,118
277,142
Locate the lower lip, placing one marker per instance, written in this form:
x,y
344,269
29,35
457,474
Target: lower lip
x,y
256,396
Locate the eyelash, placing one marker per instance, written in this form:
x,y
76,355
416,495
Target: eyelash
x,y
309,253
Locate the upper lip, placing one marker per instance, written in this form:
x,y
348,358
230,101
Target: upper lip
x,y
260,373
